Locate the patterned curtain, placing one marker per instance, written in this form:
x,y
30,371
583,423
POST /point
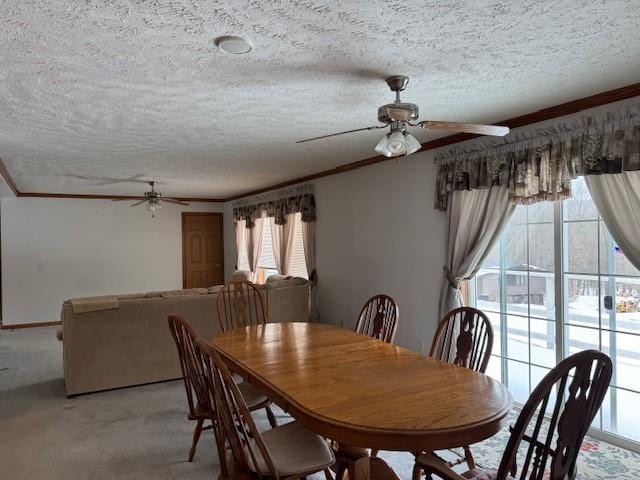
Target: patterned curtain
x,y
540,166
278,209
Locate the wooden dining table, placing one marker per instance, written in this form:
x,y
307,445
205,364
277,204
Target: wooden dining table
x,y
363,392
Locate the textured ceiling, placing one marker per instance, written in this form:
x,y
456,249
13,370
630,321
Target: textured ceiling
x,y
117,89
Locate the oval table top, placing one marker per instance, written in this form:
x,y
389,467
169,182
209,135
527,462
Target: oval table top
x,y
364,392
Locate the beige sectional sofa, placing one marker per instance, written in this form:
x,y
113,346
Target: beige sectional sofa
x,y
124,340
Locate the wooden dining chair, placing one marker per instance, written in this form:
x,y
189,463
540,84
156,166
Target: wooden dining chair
x,y
200,408
198,399
465,338
569,396
379,318
289,451
240,304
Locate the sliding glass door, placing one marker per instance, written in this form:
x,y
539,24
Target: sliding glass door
x,y
516,289
556,284
601,290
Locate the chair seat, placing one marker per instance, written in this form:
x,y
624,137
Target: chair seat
x,y
294,450
252,396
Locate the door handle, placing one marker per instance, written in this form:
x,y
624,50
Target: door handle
x,y
608,302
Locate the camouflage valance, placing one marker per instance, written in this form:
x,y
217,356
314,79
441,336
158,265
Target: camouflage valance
x,y
541,166
278,209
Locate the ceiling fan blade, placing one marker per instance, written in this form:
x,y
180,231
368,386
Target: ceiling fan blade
x,y
138,203
495,130
173,200
102,181
125,199
341,133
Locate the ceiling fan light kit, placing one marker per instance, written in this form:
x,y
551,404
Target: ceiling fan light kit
x,y
399,115
153,200
397,143
153,206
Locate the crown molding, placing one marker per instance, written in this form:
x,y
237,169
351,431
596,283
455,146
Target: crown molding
x,y
549,113
108,197
4,173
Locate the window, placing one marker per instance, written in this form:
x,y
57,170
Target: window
x,y
515,287
267,263
601,291
563,248
298,266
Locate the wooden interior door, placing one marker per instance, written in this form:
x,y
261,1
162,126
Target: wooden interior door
x,y
202,250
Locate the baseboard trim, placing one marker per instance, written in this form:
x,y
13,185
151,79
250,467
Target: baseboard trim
x,y
29,325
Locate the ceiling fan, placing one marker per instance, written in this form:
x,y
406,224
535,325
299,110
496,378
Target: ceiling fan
x,y
400,115
153,198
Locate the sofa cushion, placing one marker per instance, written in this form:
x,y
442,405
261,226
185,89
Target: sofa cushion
x,y
94,304
276,277
241,275
215,288
184,292
131,296
287,282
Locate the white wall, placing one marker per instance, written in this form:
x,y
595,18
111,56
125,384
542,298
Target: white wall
x,y
55,249
377,232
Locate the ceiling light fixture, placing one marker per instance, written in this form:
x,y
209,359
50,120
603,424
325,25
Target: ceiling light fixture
x,y
399,115
397,143
153,199
232,44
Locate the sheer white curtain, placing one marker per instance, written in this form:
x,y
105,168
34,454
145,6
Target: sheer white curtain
x,y
475,220
240,226
617,197
254,244
282,237
309,243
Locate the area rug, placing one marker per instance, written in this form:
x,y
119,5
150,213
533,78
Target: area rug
x,y
598,460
